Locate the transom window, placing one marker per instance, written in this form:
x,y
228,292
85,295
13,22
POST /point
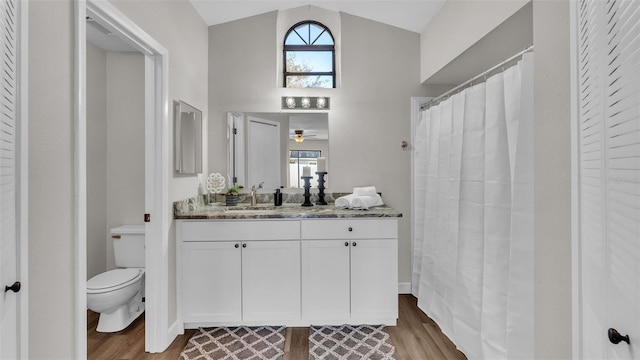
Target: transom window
x,y
309,56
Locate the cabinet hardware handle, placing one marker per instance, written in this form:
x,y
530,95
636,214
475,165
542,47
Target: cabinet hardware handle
x,y
244,245
350,229
346,243
615,337
237,246
354,243
15,287
116,236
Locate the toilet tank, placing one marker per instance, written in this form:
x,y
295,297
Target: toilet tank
x,y
128,245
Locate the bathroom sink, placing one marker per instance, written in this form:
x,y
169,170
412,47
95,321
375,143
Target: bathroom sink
x,y
250,211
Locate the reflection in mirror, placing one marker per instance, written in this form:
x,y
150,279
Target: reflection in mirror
x,y
273,149
188,138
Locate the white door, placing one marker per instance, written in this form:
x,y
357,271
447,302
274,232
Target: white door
x,y
263,153
325,280
211,281
270,281
374,279
9,184
608,183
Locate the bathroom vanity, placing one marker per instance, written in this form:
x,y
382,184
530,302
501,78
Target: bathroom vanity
x,y
287,265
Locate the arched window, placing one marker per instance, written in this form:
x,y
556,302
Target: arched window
x,y
309,56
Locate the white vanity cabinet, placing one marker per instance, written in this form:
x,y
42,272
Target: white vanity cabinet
x,y
239,272
349,271
288,271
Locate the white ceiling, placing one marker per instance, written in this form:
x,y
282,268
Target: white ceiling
x,y
410,15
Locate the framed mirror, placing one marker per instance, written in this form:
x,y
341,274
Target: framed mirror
x,y
272,149
187,138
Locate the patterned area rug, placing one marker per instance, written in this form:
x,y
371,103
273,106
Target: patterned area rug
x,y
348,342
238,343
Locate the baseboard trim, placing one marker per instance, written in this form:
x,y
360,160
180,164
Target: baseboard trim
x,y
404,288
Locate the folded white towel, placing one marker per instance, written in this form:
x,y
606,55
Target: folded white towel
x,y
344,202
365,202
365,191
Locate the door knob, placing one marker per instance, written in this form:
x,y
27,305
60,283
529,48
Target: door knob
x,y
15,287
615,337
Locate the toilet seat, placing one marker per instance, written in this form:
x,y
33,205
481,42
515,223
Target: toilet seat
x,y
113,280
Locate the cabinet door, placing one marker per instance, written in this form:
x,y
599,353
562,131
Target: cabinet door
x,y
325,281
374,280
211,281
271,281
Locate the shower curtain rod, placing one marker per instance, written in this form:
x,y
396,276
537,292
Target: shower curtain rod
x,y
469,82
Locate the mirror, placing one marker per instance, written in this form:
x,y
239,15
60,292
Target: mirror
x,y
262,147
187,138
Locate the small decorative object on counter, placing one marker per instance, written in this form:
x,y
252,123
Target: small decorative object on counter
x,y
215,184
321,175
277,198
232,195
307,194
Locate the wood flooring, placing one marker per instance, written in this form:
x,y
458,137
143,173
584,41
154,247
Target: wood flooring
x,y
416,337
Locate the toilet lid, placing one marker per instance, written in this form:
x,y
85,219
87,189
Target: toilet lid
x,y
113,278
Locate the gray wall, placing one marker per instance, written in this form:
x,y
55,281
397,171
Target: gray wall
x,y
370,113
51,139
115,150
96,160
125,143
552,179
457,26
51,193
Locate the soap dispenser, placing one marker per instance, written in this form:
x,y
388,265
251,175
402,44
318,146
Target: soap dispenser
x,y
277,198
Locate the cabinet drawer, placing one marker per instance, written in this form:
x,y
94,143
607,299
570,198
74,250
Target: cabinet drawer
x,y
240,230
376,228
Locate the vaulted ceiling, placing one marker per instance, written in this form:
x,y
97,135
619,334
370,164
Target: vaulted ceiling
x,y
410,15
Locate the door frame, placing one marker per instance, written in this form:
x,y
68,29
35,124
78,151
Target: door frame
x,y
22,183
159,333
576,244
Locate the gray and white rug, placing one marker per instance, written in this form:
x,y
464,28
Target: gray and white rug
x,y
237,343
348,342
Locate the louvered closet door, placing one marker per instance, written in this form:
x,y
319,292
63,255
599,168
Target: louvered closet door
x,y
609,158
8,180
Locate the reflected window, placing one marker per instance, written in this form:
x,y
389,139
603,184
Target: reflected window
x,y
298,159
309,56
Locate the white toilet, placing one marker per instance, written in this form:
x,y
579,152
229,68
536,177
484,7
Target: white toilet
x,y
118,294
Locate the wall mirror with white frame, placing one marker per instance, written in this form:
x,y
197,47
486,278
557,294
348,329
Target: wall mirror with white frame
x,y
272,149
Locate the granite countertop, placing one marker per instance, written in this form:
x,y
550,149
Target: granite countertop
x,y
286,211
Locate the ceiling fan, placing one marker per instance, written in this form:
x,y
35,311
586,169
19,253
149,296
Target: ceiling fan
x,y
299,137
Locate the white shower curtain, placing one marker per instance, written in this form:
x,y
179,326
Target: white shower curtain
x,y
473,218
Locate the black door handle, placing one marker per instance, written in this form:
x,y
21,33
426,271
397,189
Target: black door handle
x,y
615,337
15,287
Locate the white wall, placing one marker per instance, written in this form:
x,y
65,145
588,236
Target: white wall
x,y
458,25
51,194
51,138
115,150
125,144
552,180
96,160
370,113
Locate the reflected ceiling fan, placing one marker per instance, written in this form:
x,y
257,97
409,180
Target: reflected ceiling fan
x,y
299,136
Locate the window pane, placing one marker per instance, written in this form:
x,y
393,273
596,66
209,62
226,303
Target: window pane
x,y
294,39
309,61
324,39
310,81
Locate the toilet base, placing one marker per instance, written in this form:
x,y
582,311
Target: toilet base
x,y
121,317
